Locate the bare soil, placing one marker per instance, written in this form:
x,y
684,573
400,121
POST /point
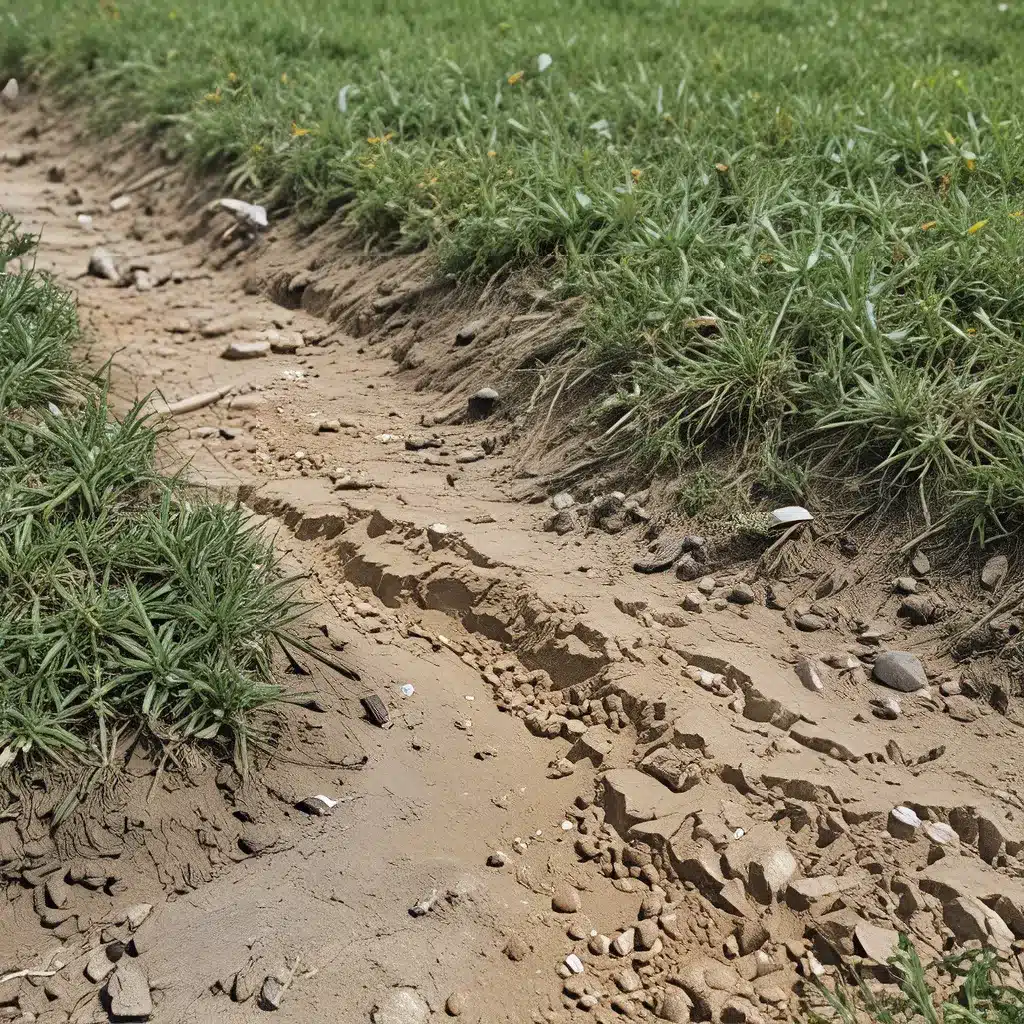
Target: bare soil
x,y
736,820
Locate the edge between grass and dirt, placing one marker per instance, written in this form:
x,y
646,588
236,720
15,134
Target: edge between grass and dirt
x,y
797,229
131,607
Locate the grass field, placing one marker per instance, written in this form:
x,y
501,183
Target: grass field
x,y
838,185
128,608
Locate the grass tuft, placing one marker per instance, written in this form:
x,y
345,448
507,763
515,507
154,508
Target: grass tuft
x,y
838,185
127,606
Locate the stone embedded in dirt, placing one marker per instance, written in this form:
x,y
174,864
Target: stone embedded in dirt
x,y
941,833
328,427
645,934
921,609
319,806
246,350
101,264
707,585
562,522
562,500
770,873
811,622
58,892
742,593
905,585
876,943
9,93
903,823
811,673
751,936
455,1004
627,980
136,914
886,707
779,596
401,1006
256,839
693,602
497,859
99,965
119,203
516,948
599,945
965,918
688,568
482,404
243,320
993,572
464,335
920,564
624,942
565,899
128,991
661,555
900,670
248,401
675,1007
437,534
285,343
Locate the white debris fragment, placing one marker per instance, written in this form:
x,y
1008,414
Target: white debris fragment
x,y
574,963
408,689
791,514
9,93
247,213
326,801
544,62
343,97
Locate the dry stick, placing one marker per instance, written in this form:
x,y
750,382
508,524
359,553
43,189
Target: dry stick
x,y
26,974
1011,598
149,178
198,401
762,562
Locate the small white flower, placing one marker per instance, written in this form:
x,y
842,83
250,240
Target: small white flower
x,y
1003,7
583,199
544,62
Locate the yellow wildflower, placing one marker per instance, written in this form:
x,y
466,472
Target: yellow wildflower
x,y
1017,213
976,227
215,96
971,165
635,173
721,168
297,131
951,139
492,153
284,77
928,225
516,78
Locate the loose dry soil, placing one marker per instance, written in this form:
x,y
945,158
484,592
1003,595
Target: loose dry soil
x,y
642,771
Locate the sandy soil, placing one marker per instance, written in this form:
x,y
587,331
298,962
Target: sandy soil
x,y
642,766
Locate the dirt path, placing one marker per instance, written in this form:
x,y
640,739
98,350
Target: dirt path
x,y
724,820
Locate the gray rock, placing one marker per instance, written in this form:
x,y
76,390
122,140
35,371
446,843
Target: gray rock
x,y
401,1006
455,1004
628,980
905,585
128,990
562,500
562,522
285,343
900,670
119,203
9,93
101,264
693,602
994,572
921,609
246,350
920,563
99,965
482,404
662,554
256,838
497,860
742,593
675,1007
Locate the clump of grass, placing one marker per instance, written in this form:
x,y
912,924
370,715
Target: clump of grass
x,y
976,992
127,607
838,185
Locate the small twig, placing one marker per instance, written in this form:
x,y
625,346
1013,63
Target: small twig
x,y
26,974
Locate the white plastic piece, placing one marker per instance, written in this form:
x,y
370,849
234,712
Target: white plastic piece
x,y
544,62
248,213
791,514
408,689
567,826
326,801
574,963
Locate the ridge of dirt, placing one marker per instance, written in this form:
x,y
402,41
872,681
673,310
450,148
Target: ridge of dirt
x,y
731,831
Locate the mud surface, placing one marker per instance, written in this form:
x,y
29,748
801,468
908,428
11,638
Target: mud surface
x,y
687,787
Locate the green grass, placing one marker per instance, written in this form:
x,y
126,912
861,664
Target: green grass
x,y
128,608
976,984
771,163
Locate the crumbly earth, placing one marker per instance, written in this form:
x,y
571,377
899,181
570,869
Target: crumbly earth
x,y
679,777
